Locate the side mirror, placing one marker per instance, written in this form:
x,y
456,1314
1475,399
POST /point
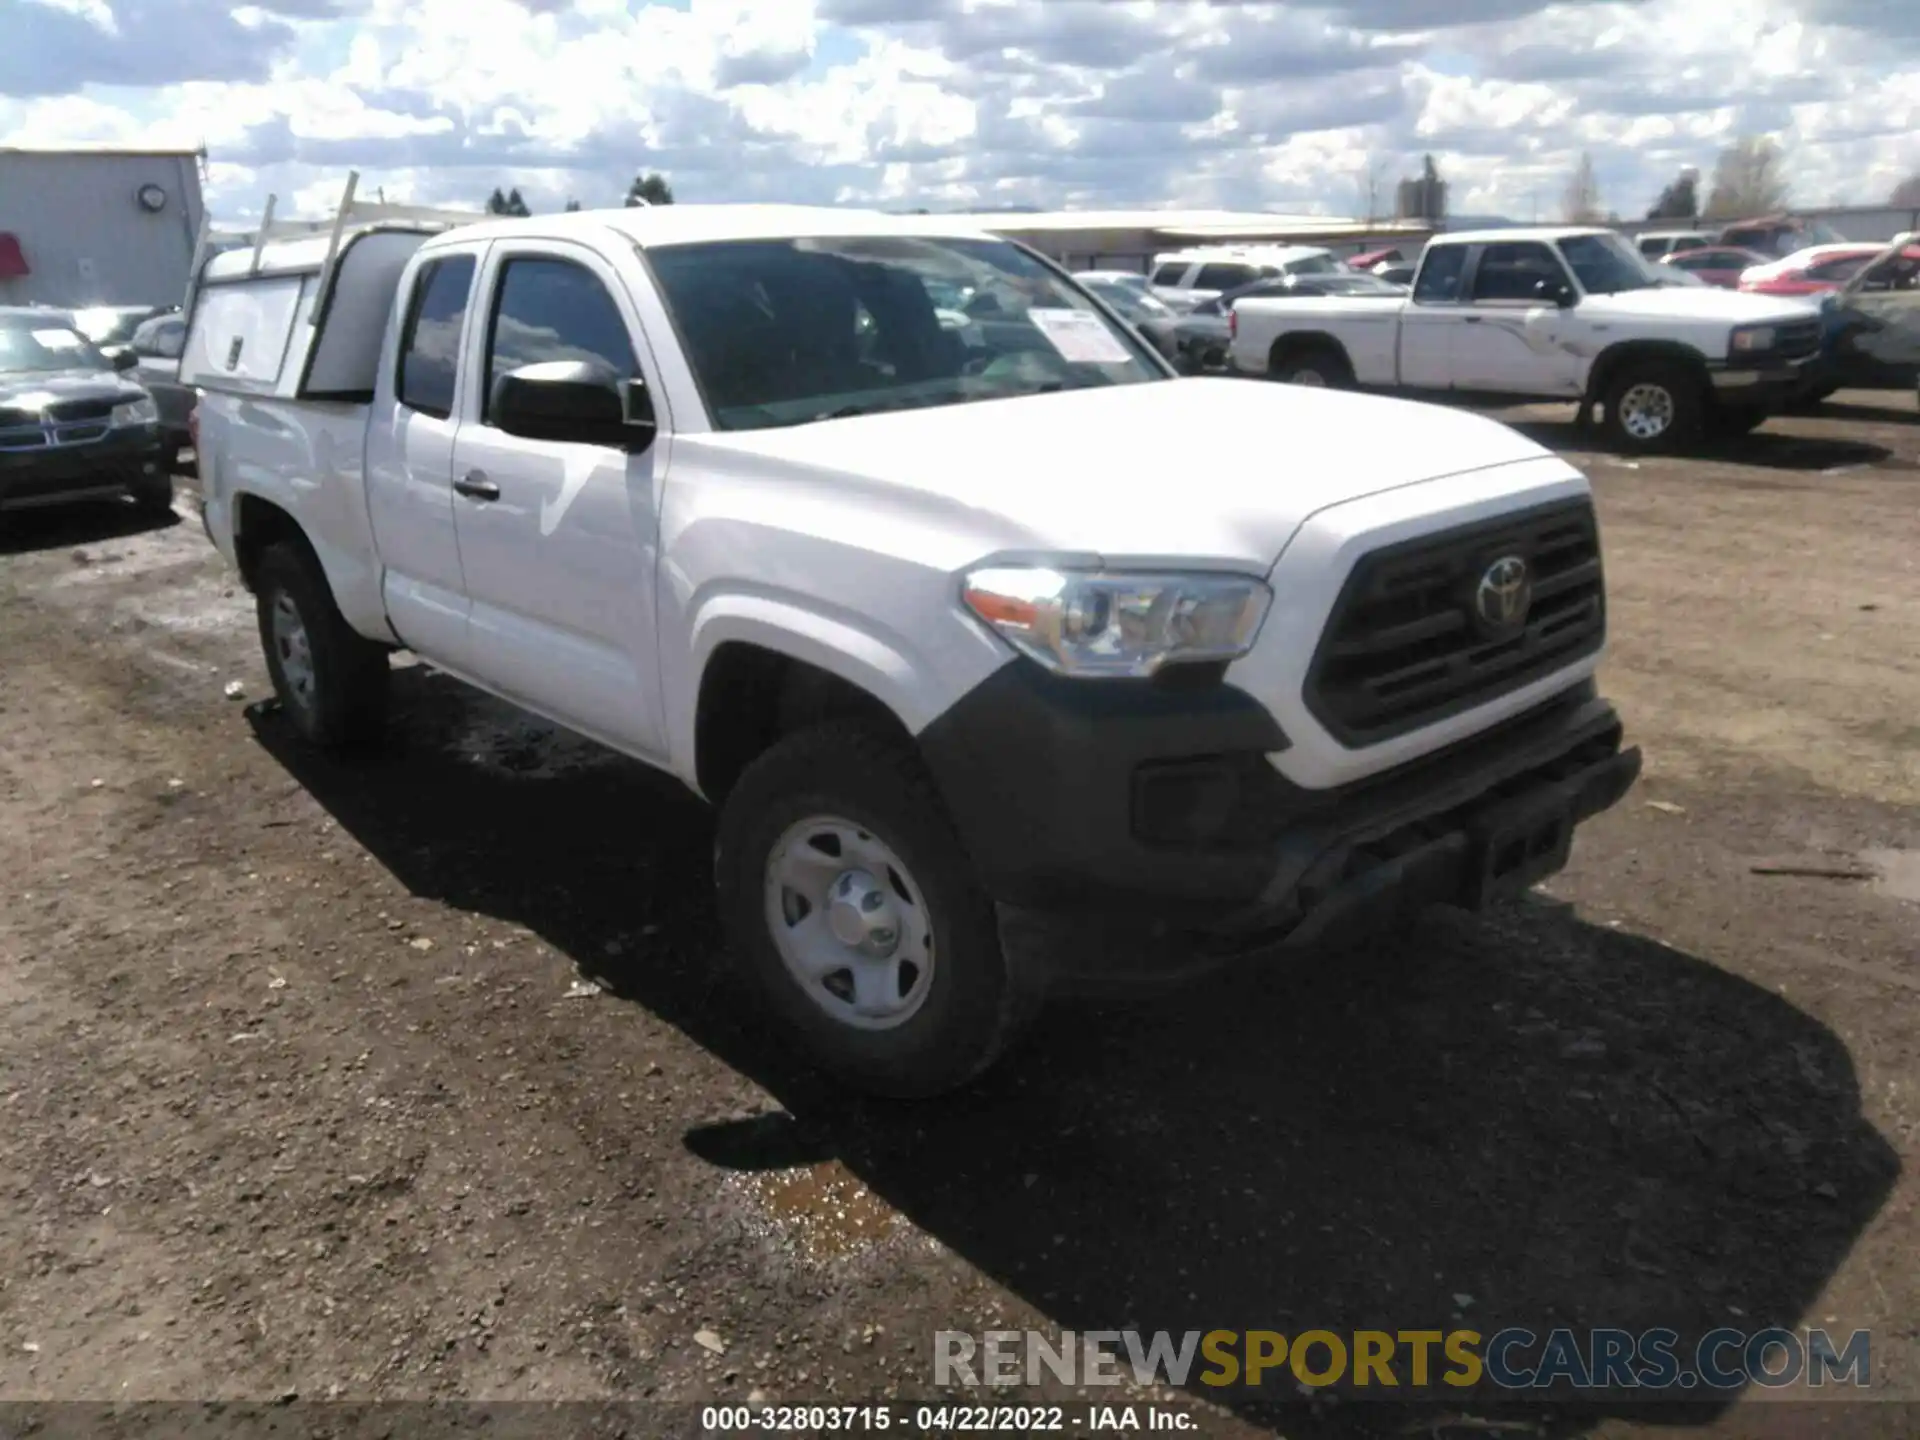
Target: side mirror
x,y
1558,292
124,360
577,401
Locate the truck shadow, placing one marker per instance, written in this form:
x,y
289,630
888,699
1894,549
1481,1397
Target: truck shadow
x,y
1520,1119
84,523
1764,448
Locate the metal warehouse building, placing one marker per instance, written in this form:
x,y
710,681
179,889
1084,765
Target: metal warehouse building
x,y
97,227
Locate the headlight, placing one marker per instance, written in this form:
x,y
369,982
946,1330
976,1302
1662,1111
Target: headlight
x,y
1758,338
137,412
1089,624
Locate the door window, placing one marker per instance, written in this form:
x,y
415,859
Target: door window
x,y
555,310
161,338
430,343
1169,275
1515,272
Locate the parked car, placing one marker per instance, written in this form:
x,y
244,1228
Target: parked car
x,y
1138,306
1184,278
1203,336
1399,273
157,345
1777,236
935,633
73,426
1817,270
1561,313
1658,244
111,327
1717,265
1368,260
1873,323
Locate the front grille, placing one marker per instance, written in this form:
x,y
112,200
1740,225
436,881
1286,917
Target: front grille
x,y
22,437
1404,648
1797,339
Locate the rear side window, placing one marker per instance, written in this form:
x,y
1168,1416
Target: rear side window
x,y
1439,279
1169,275
1653,247
1224,277
430,344
555,310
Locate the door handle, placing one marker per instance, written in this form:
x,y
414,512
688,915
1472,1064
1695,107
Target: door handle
x,y
1471,319
475,486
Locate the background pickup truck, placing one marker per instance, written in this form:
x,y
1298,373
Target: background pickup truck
x,y
1550,314
911,602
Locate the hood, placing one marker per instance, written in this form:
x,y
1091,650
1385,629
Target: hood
x,y
1709,303
34,392
1218,472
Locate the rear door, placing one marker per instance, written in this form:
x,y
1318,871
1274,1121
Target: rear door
x,y
410,460
558,540
1431,320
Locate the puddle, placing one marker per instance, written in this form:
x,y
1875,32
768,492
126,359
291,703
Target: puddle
x,y
1899,872
821,1209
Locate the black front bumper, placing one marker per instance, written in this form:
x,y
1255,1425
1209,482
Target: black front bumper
x,y
1158,804
56,474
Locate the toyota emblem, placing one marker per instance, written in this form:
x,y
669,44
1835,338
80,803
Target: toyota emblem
x,y
1505,591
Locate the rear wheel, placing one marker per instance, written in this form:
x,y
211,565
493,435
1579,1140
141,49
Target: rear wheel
x,y
330,680
1319,368
855,914
1653,406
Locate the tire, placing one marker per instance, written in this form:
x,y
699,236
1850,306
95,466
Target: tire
x,y
153,496
1727,423
1654,406
331,681
1319,367
921,1030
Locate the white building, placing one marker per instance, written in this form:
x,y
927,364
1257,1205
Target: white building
x,y
97,227
1129,239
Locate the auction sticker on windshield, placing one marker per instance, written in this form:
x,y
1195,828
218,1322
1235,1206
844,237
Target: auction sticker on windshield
x,y
57,339
1080,336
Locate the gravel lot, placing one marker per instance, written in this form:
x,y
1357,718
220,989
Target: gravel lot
x,y
411,1080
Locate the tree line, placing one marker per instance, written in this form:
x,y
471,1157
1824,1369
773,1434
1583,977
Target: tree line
x,y
649,187
1749,178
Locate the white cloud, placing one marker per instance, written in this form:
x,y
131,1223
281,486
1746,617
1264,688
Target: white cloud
x,y
939,102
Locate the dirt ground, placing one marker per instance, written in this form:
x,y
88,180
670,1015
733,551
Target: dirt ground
x,y
305,1090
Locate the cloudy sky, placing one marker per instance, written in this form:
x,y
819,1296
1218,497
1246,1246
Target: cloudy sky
x,y
957,102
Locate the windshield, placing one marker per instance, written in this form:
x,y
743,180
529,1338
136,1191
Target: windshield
x,y
1607,264
1132,304
1314,265
782,332
36,347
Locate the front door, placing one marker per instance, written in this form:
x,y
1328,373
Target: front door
x,y
559,541
1513,338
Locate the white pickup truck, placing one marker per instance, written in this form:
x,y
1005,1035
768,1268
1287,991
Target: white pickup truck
x,y
1550,314
946,622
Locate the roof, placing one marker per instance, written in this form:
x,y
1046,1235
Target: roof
x,y
650,225
1274,254
1522,232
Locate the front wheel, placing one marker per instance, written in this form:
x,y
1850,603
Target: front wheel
x,y
331,682
1653,407
153,496
855,913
